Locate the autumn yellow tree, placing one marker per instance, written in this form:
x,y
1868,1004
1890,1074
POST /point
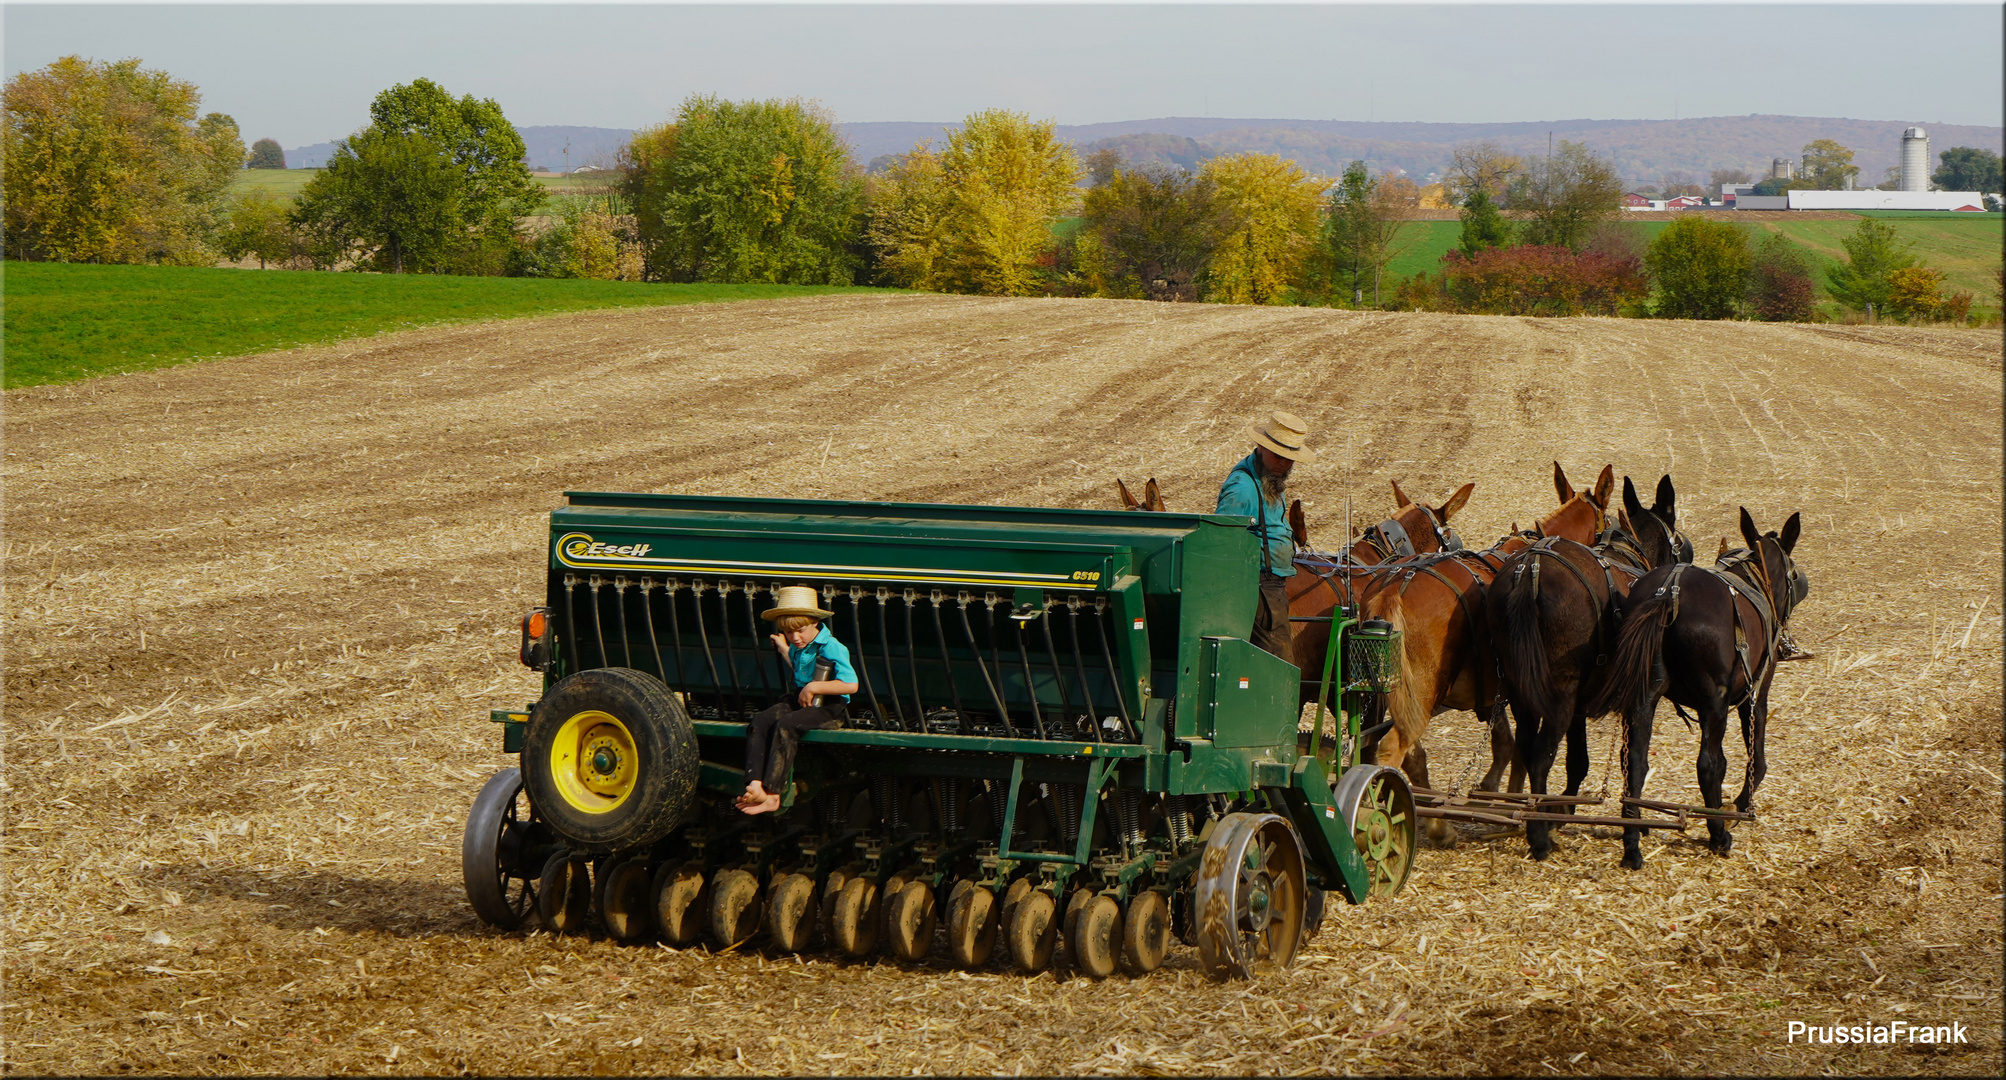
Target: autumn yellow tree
x,y
109,162
1009,179
1270,209
910,207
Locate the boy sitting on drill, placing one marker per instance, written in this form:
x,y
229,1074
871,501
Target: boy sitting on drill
x,y
820,700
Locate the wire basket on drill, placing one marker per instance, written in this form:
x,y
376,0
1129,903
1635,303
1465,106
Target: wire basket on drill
x,y
1372,657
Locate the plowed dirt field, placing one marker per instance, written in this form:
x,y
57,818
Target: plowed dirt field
x,y
258,609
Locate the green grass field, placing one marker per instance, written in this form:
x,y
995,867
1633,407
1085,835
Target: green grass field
x,y
1966,247
69,321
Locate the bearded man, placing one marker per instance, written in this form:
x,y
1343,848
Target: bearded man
x,y
1256,488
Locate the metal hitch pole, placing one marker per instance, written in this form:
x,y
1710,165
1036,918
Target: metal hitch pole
x,y
1113,675
654,642
570,649
912,659
1030,682
1080,665
598,626
975,650
1058,674
947,661
620,604
863,652
885,648
710,659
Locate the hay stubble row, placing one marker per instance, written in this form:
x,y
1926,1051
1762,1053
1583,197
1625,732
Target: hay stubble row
x,y
257,608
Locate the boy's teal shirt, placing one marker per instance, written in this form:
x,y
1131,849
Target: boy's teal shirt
x,y
824,647
1241,495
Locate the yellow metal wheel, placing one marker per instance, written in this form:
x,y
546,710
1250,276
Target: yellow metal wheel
x,y
593,762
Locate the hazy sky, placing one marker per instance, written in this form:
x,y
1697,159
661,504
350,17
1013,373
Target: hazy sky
x,y
304,74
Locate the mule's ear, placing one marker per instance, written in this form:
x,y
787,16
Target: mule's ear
x,y
1722,553
1127,500
1400,498
1560,485
1152,496
1788,537
1632,508
1667,504
1297,525
1605,486
1749,532
1623,522
1456,501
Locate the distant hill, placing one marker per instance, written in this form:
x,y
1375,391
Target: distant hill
x,y
544,145
1644,150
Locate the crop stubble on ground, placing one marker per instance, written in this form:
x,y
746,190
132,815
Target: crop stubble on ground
x,y
258,609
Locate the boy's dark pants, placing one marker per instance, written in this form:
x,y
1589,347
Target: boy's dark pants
x,y
782,726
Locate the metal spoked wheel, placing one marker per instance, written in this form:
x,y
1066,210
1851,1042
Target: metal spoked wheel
x,y
1249,896
499,834
1379,805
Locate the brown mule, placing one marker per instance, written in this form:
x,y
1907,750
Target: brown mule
x,y
1447,662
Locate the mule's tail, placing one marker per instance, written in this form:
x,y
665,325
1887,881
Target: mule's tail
x,y
1633,663
1525,646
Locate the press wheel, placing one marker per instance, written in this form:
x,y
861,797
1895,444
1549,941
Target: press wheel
x,y
564,894
1145,932
972,925
500,887
887,893
1378,804
911,921
623,890
734,907
853,921
1249,896
1095,939
681,902
832,887
790,911
1032,931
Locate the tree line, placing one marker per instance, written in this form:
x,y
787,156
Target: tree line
x,y
109,162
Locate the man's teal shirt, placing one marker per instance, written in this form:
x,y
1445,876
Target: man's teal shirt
x,y
1241,495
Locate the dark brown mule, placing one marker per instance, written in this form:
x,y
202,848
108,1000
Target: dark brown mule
x,y
1708,639
1447,663
1553,614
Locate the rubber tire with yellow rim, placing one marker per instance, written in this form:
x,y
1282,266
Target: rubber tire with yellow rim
x,y
619,709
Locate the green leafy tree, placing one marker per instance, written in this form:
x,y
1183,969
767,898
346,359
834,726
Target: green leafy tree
x,y
1350,235
1873,251
910,203
1773,185
751,191
1700,267
1149,234
1968,168
1779,281
110,162
432,185
1483,226
1010,179
1558,200
266,154
1270,211
1827,166
259,223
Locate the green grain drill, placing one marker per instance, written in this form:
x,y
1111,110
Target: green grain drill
x,y
1060,731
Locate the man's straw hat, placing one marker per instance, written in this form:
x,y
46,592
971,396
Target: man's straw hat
x,y
1284,434
795,600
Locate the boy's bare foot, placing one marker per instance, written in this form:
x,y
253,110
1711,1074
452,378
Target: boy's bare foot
x,y
755,792
765,805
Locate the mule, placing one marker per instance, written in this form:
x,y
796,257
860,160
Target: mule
x,y
1709,639
1447,663
1553,614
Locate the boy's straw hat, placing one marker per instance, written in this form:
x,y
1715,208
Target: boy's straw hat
x,y
795,600
1283,433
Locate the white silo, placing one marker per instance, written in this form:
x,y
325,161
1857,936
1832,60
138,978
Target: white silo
x,y
1915,160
